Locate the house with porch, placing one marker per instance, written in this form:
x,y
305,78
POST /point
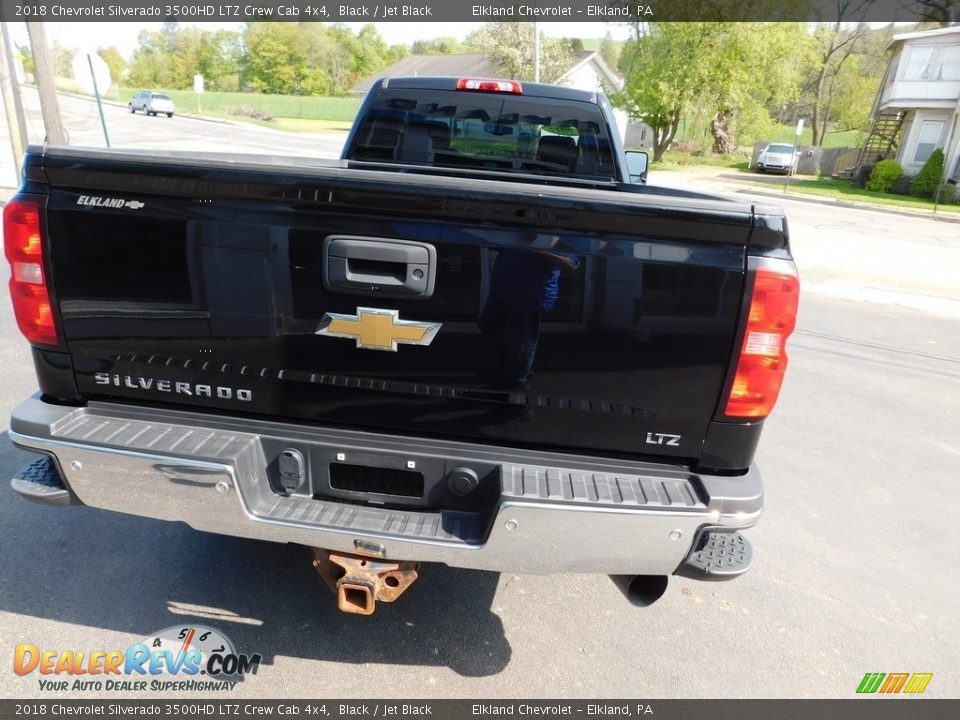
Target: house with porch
x,y
917,109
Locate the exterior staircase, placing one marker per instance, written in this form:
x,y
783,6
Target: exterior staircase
x,y
881,142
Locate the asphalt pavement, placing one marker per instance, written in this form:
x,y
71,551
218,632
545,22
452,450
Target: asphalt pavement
x,y
177,134
854,571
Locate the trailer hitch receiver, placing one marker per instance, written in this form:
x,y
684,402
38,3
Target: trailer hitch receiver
x,y
360,581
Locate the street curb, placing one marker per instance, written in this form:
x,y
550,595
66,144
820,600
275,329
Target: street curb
x,y
821,200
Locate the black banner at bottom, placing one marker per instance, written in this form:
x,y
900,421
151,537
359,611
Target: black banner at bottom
x,y
858,709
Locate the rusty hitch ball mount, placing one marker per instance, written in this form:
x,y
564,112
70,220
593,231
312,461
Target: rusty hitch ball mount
x,y
360,581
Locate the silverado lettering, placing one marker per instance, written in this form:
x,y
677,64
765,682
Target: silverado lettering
x,y
545,313
135,382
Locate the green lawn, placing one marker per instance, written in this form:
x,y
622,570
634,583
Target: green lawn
x,y
289,112
842,190
675,158
296,107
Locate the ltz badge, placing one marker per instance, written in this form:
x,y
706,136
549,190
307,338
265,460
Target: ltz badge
x,y
376,329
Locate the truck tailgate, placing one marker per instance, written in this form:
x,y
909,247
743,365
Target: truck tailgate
x,y
509,313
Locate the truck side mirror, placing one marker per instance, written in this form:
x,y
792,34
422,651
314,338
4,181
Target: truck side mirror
x,y
637,163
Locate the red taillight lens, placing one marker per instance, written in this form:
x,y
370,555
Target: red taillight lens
x,y
763,356
500,86
23,246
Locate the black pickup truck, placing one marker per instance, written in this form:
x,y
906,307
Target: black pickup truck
x,y
477,339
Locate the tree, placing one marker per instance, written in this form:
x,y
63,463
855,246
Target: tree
x,y
25,56
664,73
218,60
312,58
846,64
732,70
927,181
942,12
610,51
749,67
835,46
509,47
854,91
439,46
62,59
276,59
114,60
282,58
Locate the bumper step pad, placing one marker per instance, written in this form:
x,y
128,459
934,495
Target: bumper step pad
x,y
719,556
39,481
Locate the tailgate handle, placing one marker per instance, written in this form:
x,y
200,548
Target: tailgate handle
x,y
380,267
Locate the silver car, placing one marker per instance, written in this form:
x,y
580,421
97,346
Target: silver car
x,y
778,157
152,103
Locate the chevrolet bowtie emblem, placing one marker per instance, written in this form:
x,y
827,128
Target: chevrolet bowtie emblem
x,y
376,329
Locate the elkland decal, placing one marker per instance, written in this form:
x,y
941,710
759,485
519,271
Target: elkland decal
x,y
894,683
180,658
95,201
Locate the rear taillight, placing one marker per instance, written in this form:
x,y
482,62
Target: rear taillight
x,y
763,357
23,246
495,86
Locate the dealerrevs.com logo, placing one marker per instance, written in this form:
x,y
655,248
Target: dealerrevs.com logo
x,y
181,658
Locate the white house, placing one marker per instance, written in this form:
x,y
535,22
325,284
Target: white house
x,y
921,90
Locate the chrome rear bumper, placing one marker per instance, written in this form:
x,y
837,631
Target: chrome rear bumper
x,y
545,512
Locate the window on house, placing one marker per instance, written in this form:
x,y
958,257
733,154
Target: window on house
x,y
950,63
928,139
931,62
917,62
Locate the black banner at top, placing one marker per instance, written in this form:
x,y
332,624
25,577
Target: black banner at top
x,y
941,11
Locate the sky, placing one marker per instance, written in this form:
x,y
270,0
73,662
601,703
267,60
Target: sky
x,y
92,35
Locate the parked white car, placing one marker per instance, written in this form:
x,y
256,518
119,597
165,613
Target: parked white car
x,y
152,103
778,157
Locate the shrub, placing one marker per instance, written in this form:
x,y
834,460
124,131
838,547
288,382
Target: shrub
x,y
902,185
950,194
927,180
884,175
251,112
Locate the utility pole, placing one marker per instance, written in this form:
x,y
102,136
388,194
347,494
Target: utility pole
x,y
43,69
11,100
536,52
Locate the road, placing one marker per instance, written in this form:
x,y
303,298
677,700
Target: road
x,y
855,253
855,560
82,124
